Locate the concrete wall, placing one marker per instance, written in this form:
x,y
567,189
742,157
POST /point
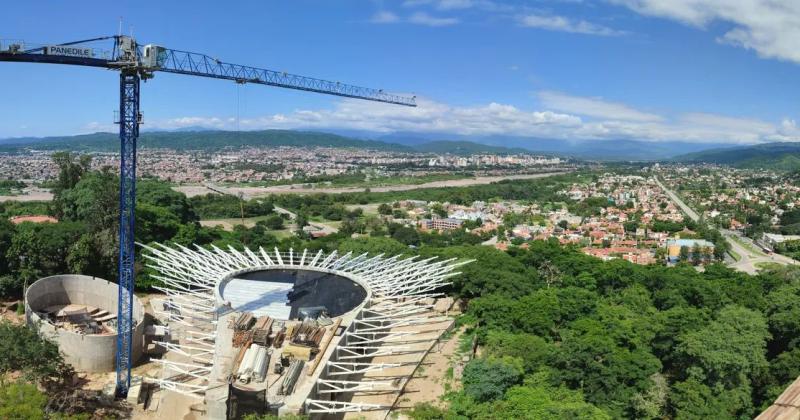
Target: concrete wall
x,y
87,353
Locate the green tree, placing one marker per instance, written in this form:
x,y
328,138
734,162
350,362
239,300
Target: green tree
x,y
70,170
7,231
155,224
94,254
160,194
487,379
728,349
406,235
684,253
697,254
783,314
537,399
384,209
373,246
274,222
532,350
21,401
42,249
22,349
438,209
94,200
426,411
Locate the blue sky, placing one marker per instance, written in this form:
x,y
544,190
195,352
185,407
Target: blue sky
x,y
693,70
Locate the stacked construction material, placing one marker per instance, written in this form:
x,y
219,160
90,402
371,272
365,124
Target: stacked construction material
x,y
262,330
308,334
241,338
277,340
290,380
244,321
261,364
245,371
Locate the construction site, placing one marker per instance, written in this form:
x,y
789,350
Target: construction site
x,y
79,313
327,336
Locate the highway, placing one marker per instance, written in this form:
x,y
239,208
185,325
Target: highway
x,y
749,256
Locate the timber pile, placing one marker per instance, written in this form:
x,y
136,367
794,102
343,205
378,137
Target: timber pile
x,y
280,335
244,322
262,330
308,334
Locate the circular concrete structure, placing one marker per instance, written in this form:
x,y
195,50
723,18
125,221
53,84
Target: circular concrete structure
x,y
79,314
282,291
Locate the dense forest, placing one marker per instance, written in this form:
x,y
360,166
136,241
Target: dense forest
x,y
565,335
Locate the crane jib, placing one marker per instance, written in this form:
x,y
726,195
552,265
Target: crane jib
x,y
55,59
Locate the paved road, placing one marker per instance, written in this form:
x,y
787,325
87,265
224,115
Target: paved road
x,y
686,209
253,192
749,259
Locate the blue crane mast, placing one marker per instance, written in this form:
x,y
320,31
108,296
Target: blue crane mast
x,y
135,63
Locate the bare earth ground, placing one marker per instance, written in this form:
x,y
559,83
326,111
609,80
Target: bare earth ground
x,y
433,378
29,194
251,192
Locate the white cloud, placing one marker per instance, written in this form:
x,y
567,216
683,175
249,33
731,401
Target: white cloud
x,y
97,127
422,18
457,4
562,117
769,27
563,24
593,107
418,18
384,17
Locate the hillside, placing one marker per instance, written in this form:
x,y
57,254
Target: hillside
x,y
197,140
214,140
465,148
605,150
780,156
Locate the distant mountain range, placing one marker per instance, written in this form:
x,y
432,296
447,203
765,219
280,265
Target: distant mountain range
x,y
606,150
781,156
464,148
198,139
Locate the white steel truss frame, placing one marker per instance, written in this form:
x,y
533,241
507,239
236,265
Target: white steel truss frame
x,y
401,290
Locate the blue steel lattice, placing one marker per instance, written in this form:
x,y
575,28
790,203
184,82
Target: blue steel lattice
x,y
128,133
183,62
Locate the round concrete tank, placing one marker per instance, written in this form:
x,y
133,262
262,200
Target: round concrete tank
x,y
79,314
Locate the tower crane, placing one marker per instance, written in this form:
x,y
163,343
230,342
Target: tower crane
x,y
137,62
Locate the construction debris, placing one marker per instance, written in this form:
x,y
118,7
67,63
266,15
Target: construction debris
x,y
82,319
